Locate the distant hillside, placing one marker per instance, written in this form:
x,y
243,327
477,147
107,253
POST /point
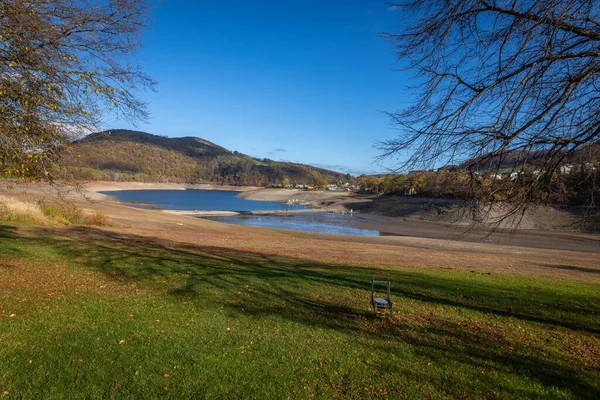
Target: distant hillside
x,y
138,156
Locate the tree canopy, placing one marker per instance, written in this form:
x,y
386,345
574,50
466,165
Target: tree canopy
x,y
499,78
63,63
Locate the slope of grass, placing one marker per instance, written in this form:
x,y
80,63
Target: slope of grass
x,y
48,213
90,313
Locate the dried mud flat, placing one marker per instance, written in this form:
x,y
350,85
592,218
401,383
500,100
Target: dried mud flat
x,y
445,211
400,251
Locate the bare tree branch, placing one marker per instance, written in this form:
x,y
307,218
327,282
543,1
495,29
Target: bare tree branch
x,y
63,63
505,84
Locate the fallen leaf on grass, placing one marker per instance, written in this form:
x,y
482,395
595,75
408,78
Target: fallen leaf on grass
x,y
121,341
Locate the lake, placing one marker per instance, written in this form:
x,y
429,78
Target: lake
x,y
198,199
225,200
346,224
324,222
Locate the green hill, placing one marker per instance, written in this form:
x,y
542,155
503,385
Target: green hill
x,y
138,156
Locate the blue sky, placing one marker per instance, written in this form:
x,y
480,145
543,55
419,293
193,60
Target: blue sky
x,y
293,80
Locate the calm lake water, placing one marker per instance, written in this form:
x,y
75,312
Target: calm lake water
x,y
222,200
342,224
197,199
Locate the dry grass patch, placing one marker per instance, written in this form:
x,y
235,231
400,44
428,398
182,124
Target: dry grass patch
x,y
97,218
27,212
48,213
69,214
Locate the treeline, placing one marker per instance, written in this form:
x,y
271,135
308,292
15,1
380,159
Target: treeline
x,y
567,186
443,183
137,156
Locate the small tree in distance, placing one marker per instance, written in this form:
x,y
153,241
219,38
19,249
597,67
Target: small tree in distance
x,y
501,83
62,64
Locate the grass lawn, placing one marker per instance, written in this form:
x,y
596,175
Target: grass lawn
x,y
96,314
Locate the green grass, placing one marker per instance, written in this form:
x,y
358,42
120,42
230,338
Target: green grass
x,y
201,321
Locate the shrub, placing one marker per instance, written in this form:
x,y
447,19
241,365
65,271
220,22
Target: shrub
x,y
62,212
97,218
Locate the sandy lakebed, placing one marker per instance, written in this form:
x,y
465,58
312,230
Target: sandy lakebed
x,y
421,226
578,257
406,241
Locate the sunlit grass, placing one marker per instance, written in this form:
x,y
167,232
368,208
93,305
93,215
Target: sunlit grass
x,y
46,213
88,313
28,212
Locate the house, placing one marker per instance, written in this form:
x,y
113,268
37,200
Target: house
x,y
565,169
334,188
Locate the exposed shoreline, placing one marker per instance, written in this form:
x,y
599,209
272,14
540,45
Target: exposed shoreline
x,y
218,213
200,213
109,186
302,197
443,211
417,242
93,188
451,212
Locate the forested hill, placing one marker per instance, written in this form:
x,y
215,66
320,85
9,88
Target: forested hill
x,y
138,156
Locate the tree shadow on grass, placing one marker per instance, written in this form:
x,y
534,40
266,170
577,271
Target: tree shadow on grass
x,y
574,268
432,337
7,235
133,258
325,296
8,232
